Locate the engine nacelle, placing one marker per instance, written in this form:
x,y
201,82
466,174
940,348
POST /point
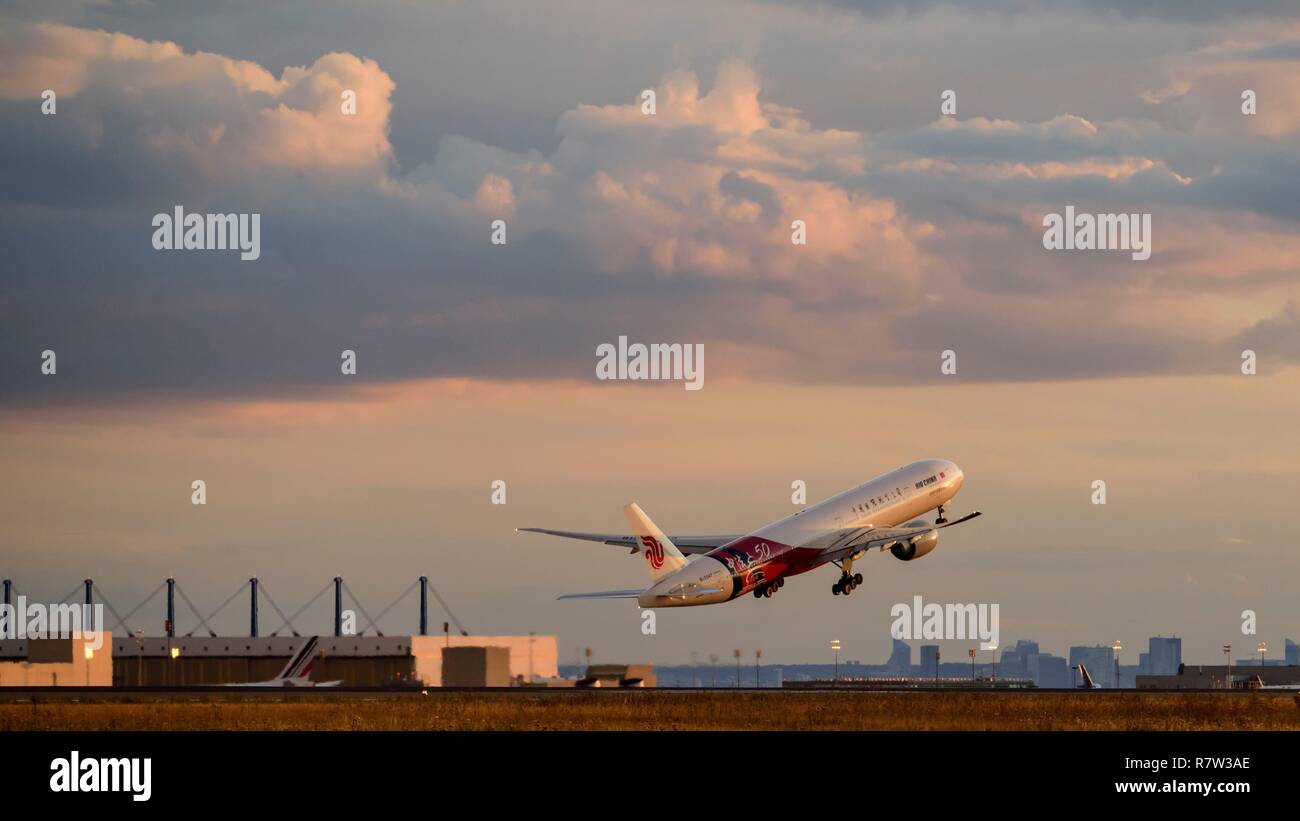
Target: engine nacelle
x,y
916,546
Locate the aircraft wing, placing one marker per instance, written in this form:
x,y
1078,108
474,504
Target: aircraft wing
x,y
856,540
686,544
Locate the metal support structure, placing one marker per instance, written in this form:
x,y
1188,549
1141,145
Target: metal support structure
x,y
171,607
91,594
424,605
252,607
86,619
338,605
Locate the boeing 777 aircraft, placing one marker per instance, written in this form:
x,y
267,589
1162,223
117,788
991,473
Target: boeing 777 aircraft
x,y
837,531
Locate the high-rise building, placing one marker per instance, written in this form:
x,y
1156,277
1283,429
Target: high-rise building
x,y
1048,670
1292,652
900,659
1164,656
1014,661
929,661
1100,661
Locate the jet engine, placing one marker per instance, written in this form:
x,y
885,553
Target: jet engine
x,y
918,545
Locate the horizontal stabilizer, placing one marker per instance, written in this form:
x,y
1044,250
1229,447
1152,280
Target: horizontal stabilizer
x,y
605,594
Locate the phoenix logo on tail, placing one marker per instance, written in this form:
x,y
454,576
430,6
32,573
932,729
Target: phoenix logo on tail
x,y
878,515
654,552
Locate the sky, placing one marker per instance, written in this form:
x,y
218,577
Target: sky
x,y
476,361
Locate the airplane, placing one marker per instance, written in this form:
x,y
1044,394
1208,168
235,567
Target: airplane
x,y
296,672
1088,683
837,531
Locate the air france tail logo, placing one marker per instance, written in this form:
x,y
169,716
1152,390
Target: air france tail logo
x,y
654,552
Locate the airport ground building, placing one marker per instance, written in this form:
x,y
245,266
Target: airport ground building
x,y
356,661
618,675
190,661
65,662
1213,676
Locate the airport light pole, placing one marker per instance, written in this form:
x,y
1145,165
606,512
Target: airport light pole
x,y
1227,651
758,655
993,651
738,668
1262,648
1117,647
713,661
937,656
971,653
90,654
835,645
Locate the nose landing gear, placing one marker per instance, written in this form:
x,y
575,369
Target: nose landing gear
x,y
941,520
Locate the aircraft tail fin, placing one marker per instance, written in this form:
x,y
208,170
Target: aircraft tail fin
x,y
1087,679
661,556
300,665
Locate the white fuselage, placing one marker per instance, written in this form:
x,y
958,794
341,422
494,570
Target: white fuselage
x,y
795,544
886,501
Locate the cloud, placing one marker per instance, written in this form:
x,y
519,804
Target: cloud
x,y
179,114
1158,9
1204,89
675,225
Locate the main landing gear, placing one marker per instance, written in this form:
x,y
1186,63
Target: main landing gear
x,y
768,590
941,520
847,584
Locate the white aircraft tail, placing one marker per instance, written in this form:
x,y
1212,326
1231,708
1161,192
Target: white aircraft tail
x,y
1088,683
300,665
661,556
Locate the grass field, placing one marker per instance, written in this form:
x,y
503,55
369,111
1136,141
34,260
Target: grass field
x,y
649,710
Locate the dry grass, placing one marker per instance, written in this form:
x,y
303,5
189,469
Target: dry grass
x,y
649,710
